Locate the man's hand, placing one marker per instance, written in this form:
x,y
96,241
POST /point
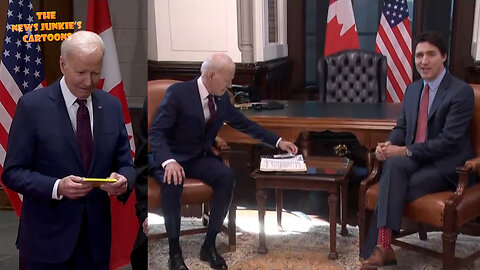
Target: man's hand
x,y
379,154
288,147
145,226
117,188
173,173
73,187
394,150
220,143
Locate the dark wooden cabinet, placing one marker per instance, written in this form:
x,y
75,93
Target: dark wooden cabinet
x,y
270,78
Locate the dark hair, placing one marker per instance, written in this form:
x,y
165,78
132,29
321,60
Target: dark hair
x,y
434,38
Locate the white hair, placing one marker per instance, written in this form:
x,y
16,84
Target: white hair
x,y
81,42
217,62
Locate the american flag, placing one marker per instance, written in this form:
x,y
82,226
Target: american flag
x,y
21,71
394,40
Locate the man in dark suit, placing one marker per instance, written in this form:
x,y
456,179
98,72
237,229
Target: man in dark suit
x,y
181,135
139,256
59,135
430,140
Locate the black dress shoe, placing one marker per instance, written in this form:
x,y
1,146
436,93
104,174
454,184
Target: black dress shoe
x,y
177,263
211,255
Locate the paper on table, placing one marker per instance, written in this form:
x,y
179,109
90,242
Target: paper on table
x,y
291,164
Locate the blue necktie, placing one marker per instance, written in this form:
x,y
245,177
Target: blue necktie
x,y
84,133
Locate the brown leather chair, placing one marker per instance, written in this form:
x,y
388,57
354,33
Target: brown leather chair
x,y
450,212
194,190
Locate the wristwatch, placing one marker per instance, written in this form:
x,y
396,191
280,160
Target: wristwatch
x,y
408,153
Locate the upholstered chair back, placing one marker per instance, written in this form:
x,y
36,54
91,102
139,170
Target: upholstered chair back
x,y
352,76
156,93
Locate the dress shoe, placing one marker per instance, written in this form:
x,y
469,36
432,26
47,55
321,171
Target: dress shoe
x,y
211,255
177,263
381,257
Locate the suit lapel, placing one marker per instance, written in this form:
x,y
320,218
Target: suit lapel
x,y
97,125
441,92
60,109
416,98
197,102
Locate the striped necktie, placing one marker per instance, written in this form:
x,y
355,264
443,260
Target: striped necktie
x,y
213,112
84,133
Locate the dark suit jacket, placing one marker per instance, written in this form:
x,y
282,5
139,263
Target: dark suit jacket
x,y
448,139
141,185
41,149
178,130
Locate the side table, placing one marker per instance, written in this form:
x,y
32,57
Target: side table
x,y
324,173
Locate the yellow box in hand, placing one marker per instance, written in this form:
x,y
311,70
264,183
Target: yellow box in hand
x,y
96,182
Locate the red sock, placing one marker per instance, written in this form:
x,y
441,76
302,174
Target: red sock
x,y
385,237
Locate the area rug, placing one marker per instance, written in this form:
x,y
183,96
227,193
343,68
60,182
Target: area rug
x,y
302,243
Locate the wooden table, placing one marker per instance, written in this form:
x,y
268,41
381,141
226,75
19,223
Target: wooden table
x,y
371,123
324,173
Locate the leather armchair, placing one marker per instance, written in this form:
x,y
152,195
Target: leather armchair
x,y
194,190
450,212
352,76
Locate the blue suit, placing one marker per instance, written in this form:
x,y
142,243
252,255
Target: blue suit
x,y
431,168
41,149
178,132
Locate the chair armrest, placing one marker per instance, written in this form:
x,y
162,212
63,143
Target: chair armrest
x,y
373,176
221,149
463,172
373,165
473,163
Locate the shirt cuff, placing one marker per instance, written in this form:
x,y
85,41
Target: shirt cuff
x,y
167,161
279,139
55,191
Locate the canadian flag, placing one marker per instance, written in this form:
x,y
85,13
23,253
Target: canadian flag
x,y
341,31
124,221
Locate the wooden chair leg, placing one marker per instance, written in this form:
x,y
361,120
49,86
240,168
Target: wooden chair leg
x,y
279,207
422,233
232,227
449,240
344,207
361,228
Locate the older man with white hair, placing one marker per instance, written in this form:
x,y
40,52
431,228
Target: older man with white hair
x,y
59,136
185,127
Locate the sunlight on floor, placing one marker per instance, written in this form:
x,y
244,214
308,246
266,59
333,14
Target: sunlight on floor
x,y
292,222
247,220
154,219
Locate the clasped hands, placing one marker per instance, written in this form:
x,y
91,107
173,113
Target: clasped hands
x,y
73,187
385,150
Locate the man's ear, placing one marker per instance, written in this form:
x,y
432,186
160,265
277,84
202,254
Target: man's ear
x,y
210,75
62,64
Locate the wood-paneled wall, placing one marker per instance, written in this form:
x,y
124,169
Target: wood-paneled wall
x,y
271,78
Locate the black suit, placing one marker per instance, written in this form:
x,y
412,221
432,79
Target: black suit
x,y
431,168
139,254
